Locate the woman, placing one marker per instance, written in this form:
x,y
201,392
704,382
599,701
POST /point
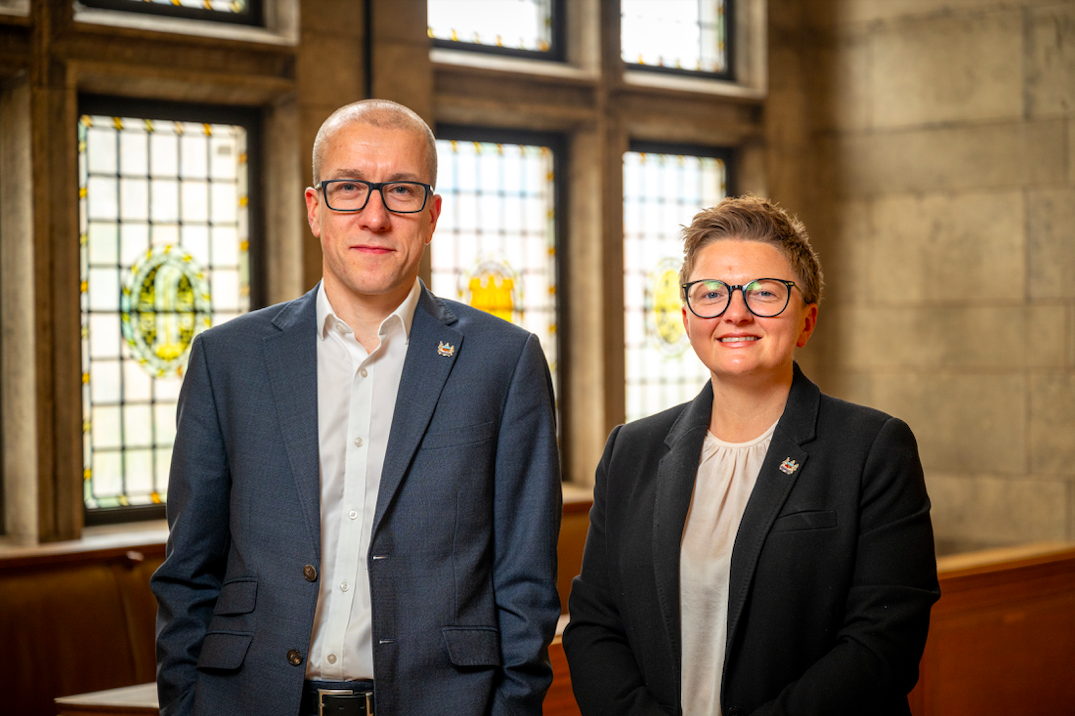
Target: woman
x,y
765,548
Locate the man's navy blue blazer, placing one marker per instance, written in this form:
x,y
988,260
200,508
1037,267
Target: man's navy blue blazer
x,y
462,560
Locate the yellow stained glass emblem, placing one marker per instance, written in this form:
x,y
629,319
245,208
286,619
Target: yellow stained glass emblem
x,y
163,304
663,309
492,287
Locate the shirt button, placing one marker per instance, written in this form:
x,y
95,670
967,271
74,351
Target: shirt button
x,y
344,587
353,514
363,372
309,573
341,328
358,442
294,657
332,658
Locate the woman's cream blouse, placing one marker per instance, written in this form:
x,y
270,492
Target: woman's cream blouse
x,y
725,479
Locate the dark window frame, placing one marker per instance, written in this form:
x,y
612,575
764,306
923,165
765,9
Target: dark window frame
x,y
251,119
254,14
726,154
728,74
555,53
558,144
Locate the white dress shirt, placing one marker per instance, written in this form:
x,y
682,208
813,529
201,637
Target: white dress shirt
x,y
726,476
356,399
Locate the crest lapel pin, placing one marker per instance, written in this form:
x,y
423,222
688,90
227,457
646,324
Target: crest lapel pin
x,y
443,349
788,466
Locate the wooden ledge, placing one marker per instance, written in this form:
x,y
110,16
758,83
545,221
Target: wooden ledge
x,y
1000,558
96,544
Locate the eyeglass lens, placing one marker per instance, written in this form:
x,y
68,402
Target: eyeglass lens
x,y
400,196
764,297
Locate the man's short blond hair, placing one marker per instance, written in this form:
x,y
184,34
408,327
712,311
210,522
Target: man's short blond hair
x,y
376,113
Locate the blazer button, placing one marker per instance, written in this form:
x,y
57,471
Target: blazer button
x,y
294,657
310,573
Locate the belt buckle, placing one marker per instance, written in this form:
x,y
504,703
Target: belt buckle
x,y
322,693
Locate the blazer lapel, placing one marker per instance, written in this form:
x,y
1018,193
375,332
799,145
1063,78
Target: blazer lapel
x,y
425,372
675,485
291,361
796,427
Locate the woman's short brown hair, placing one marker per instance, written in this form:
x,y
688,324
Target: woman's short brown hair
x,y
751,218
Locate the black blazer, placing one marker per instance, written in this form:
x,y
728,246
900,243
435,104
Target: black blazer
x,y
832,574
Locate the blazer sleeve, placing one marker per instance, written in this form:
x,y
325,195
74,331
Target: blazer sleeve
x,y
526,522
886,619
188,582
605,676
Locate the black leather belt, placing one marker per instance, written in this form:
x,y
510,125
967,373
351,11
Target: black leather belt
x,y
337,698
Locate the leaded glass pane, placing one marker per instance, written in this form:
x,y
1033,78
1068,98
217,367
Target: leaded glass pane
x,y
495,246
510,24
675,34
164,255
661,194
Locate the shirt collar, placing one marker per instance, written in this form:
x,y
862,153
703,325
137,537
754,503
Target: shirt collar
x,y
402,316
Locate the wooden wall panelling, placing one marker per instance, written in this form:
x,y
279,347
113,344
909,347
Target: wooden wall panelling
x,y
1001,640
75,622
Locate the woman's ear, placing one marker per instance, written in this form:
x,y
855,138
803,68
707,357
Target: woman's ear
x,y
809,323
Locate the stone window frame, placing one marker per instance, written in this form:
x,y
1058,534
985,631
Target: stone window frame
x,y
251,17
39,376
213,114
554,54
278,22
556,143
601,106
725,155
728,73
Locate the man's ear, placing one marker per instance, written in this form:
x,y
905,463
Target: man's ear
x,y
313,205
434,214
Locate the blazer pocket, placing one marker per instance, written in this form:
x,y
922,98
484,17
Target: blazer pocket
x,y
237,596
224,650
798,521
459,436
472,646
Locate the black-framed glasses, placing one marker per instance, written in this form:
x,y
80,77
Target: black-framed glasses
x,y
764,297
399,197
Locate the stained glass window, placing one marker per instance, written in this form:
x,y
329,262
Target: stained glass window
x,y
235,11
508,26
676,35
164,226
661,194
495,246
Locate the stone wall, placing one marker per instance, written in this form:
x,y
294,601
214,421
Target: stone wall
x,y
930,147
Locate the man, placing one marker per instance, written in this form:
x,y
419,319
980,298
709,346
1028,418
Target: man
x,y
364,499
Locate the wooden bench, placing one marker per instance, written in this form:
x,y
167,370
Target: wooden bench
x,y
76,617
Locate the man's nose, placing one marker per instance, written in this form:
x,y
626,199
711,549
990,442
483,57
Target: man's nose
x,y
376,215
